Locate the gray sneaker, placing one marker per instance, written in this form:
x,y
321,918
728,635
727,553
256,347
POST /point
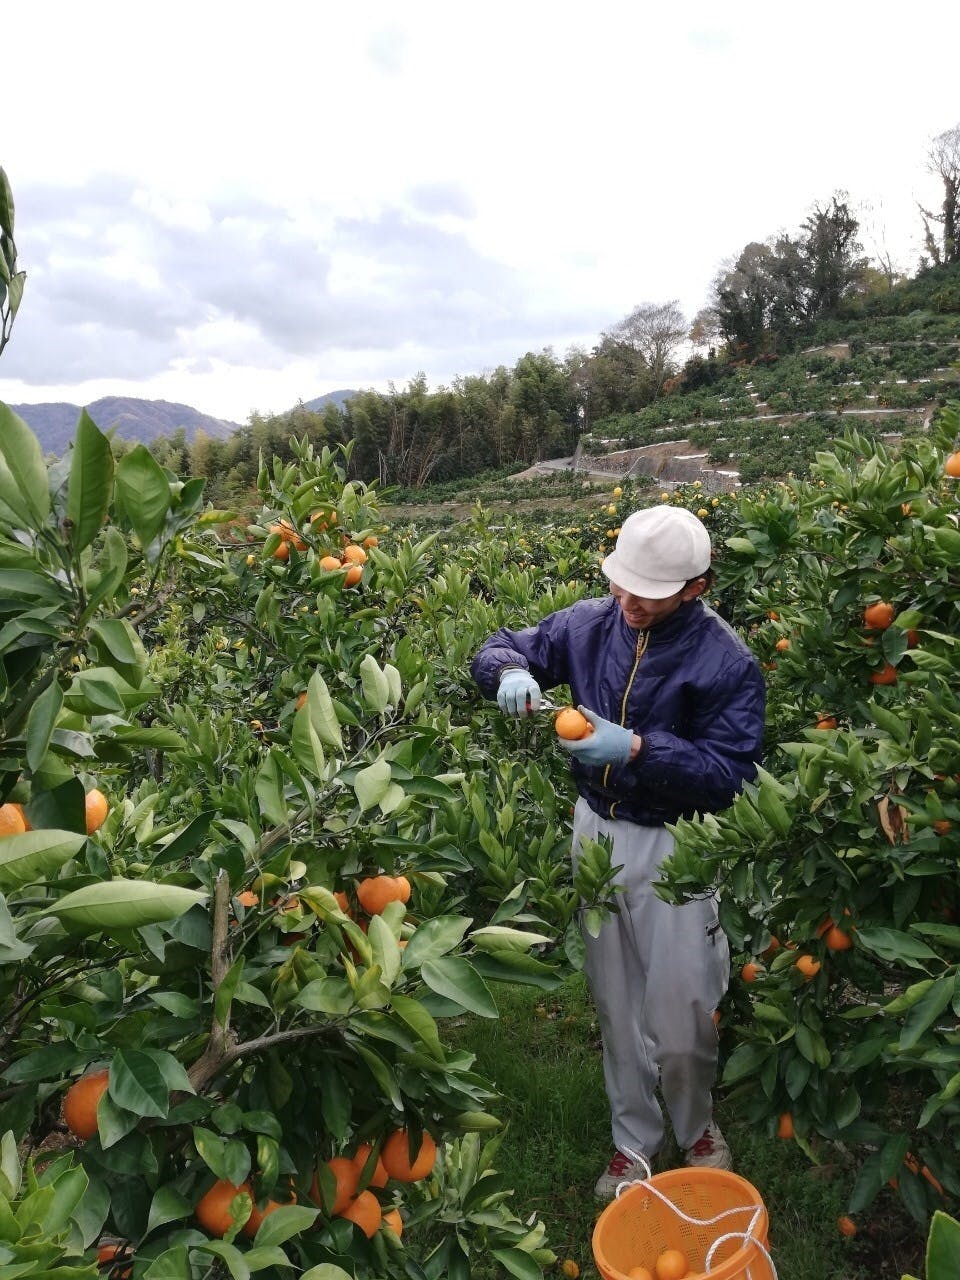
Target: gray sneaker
x,y
710,1151
620,1169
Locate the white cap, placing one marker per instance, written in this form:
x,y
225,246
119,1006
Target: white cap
x,y
658,550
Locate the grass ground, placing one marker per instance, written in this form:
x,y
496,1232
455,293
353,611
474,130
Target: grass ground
x,y
544,1056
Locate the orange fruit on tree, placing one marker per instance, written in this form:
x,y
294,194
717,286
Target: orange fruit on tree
x,y
571,725
301,700
355,554
952,465
808,967
365,1211
80,1103
282,552
376,892
248,898
671,1265
397,1159
837,940
379,1177
330,563
393,1220
213,1209
773,615
371,541
289,534
347,1178
827,722
750,971
252,1224
942,826
886,675
404,889
846,1226
96,807
785,1125
353,575
782,644
879,616
111,1256
11,820
773,946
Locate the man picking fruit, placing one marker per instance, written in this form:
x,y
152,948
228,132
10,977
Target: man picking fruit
x,y
676,701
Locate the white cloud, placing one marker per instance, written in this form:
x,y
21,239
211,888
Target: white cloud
x,y
244,208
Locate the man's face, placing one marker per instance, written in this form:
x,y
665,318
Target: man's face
x,y
642,613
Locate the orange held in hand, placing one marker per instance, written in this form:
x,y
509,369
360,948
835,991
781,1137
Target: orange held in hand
x,y
571,725
671,1265
80,1103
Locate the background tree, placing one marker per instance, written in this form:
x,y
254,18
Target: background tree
x,y
943,161
655,331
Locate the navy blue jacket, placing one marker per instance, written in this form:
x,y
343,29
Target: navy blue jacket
x,y
689,686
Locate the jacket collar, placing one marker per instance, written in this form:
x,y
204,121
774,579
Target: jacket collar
x,y
670,630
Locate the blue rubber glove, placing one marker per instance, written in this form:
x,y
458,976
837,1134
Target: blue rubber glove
x,y
516,685
608,744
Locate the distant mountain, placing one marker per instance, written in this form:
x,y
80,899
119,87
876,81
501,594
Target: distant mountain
x,y
56,424
339,398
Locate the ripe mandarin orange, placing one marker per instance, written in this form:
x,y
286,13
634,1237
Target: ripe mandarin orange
x,y
376,892
252,1224
379,1176
330,563
371,541
571,725
952,465
248,898
96,807
403,889
671,1265
846,1226
347,1178
109,1258
365,1211
750,971
397,1160
393,1220
785,1126
80,1103
355,554
213,1209
282,552
808,967
879,616
11,820
640,1273
837,940
827,722
353,575
782,644
301,700
886,675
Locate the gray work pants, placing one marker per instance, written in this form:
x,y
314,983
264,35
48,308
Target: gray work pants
x,y
656,973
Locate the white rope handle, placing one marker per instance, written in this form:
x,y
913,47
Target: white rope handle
x,y
746,1236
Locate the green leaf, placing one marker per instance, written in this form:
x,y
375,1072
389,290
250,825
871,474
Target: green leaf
x,y
943,1246
232,1258
434,938
36,855
893,945
186,840
518,1263
926,1011
24,491
119,647
269,789
458,980
420,1023
323,714
121,904
167,1205
326,1271
226,991
285,1223
41,723
137,1084
144,493
228,1160
371,784
91,483
172,1264
49,1062
375,685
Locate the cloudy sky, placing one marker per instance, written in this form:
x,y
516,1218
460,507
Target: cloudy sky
x,y
238,206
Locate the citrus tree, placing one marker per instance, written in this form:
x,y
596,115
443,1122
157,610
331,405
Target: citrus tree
x,y
247,871
838,866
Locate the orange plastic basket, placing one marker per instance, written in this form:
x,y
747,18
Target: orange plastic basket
x,y
636,1227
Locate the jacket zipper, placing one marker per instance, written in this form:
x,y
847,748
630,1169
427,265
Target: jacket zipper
x,y
643,639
